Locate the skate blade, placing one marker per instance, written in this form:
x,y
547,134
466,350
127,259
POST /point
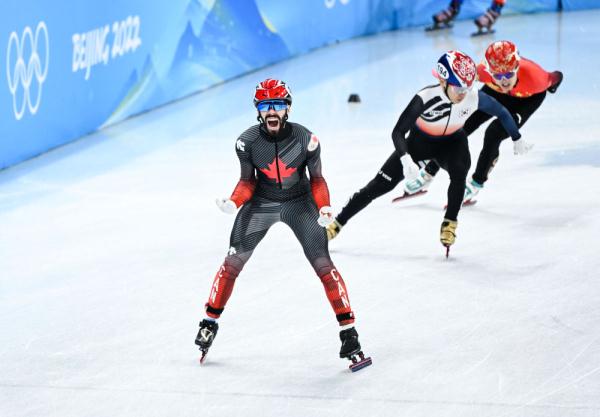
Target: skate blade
x,y
483,32
469,203
360,362
406,196
203,356
436,28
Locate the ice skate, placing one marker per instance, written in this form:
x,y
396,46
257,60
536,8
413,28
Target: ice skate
x,y
351,350
333,230
448,234
418,185
485,22
443,19
472,188
206,336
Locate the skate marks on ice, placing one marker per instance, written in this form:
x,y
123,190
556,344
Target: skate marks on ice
x,y
363,402
533,403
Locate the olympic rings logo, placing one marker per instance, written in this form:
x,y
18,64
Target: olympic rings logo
x,y
20,74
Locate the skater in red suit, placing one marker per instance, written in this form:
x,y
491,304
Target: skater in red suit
x,y
517,83
273,187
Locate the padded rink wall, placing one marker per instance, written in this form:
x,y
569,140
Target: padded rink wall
x,y
74,66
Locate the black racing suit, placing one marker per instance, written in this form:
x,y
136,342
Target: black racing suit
x,y
274,187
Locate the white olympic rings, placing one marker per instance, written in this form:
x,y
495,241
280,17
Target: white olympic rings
x,y
19,73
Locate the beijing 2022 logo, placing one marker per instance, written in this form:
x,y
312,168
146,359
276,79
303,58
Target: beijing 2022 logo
x,y
27,60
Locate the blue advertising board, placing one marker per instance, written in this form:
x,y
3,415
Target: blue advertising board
x,y
74,67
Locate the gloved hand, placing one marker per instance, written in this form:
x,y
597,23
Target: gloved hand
x,y
520,147
226,205
325,216
410,169
559,76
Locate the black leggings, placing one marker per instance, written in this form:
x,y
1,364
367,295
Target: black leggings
x,y
256,217
521,110
451,153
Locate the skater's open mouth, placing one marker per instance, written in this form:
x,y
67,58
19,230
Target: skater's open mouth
x,y
272,121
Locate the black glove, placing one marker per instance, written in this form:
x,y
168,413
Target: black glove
x,y
552,89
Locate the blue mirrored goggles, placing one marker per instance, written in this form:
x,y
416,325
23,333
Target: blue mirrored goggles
x,y
507,75
276,105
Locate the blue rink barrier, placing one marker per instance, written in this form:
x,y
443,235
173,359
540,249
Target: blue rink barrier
x,y
71,68
580,4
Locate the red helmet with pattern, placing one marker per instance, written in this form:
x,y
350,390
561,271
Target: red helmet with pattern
x,y
502,56
457,68
271,89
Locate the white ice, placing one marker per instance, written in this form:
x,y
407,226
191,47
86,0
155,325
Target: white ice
x,y
108,248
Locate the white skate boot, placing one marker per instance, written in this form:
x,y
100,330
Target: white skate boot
x,y
472,188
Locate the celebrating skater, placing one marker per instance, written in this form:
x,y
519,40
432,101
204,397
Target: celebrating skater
x,y
434,117
273,187
517,83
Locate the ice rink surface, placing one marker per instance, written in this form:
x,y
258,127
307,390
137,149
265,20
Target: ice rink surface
x,y
108,248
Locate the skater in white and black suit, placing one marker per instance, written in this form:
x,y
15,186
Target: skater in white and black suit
x,y
435,118
520,85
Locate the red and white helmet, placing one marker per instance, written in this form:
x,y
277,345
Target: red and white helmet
x,y
457,68
271,89
502,56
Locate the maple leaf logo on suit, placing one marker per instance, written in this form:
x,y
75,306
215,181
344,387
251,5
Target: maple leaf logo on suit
x,y
277,170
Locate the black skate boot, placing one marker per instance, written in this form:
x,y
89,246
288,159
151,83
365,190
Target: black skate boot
x,y
485,22
444,19
206,336
351,350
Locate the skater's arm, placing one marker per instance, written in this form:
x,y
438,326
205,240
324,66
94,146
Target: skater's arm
x,y
556,78
245,187
491,106
406,122
318,185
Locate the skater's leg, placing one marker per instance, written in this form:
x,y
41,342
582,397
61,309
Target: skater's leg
x,y
521,110
386,179
456,159
432,167
494,135
525,107
301,215
251,225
